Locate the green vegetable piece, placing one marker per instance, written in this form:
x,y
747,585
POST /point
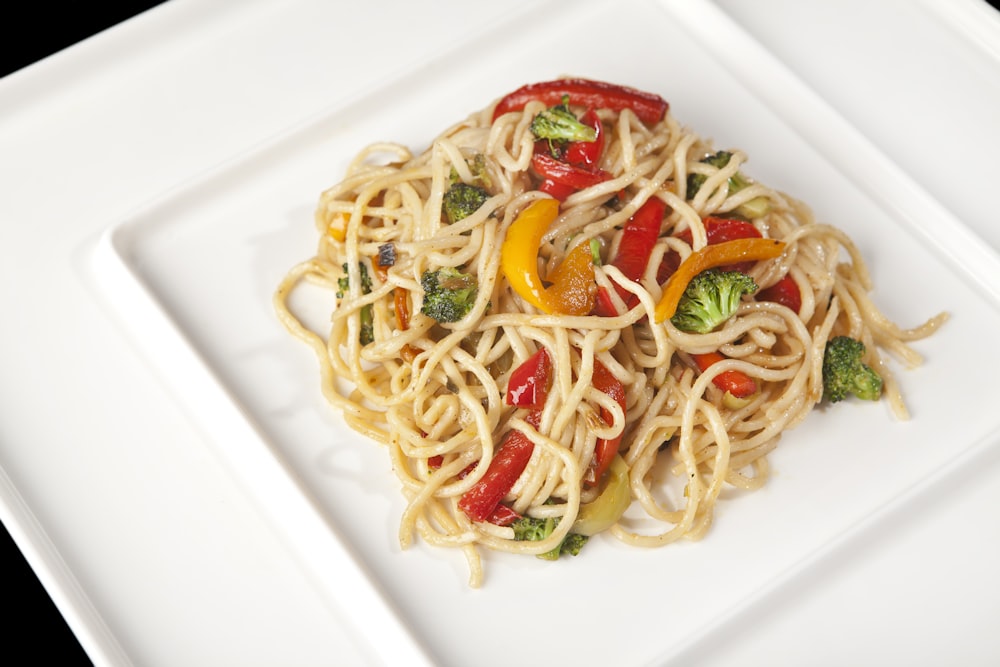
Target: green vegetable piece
x,y
534,530
844,372
344,283
367,333
755,208
449,294
695,181
595,252
558,123
530,529
462,200
607,508
480,172
710,299
571,545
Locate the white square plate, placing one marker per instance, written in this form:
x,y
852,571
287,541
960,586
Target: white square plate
x,y
193,274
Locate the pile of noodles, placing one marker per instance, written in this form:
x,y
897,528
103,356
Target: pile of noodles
x,y
435,392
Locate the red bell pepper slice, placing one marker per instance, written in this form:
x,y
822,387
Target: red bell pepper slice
x,y
556,190
737,383
603,305
528,386
668,265
435,462
720,230
576,168
638,238
639,235
785,291
650,108
586,153
509,461
605,450
503,515
564,173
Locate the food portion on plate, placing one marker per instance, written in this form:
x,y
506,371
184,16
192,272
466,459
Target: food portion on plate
x,y
573,315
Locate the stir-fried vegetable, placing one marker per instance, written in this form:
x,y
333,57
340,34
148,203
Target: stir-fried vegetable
x,y
449,294
536,530
606,448
846,373
709,257
528,385
572,290
650,108
735,383
785,291
462,200
605,510
754,208
569,177
634,249
710,299
560,124
367,333
508,462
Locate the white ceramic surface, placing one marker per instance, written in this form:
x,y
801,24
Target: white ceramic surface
x,y
153,517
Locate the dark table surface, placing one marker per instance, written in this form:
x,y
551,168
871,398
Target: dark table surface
x,y
39,29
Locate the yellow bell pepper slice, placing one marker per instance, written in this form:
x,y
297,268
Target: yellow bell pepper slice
x,y
711,256
337,228
572,290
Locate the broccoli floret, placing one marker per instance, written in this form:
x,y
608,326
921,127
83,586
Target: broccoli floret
x,y
533,530
530,529
462,200
344,283
845,373
480,172
367,334
449,294
755,208
559,123
710,299
717,160
572,544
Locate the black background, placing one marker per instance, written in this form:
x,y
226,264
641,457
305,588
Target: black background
x,y
40,29
30,31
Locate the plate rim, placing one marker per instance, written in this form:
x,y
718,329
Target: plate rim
x,y
125,284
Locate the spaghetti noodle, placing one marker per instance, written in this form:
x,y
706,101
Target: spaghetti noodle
x,y
562,389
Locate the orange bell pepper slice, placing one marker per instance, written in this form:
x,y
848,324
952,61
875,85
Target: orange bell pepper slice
x,y
572,290
711,256
401,305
